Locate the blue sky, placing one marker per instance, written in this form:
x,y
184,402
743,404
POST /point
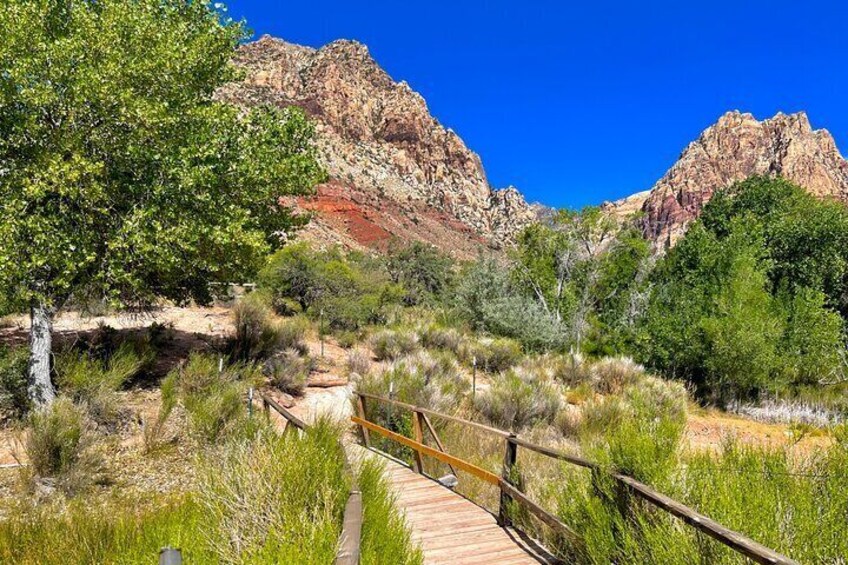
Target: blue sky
x,y
576,103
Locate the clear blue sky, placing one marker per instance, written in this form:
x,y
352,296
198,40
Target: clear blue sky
x,y
578,102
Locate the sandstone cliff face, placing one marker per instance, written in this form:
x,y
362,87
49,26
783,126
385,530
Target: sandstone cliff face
x,y
736,147
395,171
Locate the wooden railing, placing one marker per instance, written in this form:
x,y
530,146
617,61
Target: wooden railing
x,y
509,492
349,540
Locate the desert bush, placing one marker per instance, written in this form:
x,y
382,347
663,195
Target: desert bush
x,y
637,432
347,339
154,430
438,337
493,355
391,344
257,334
518,399
571,370
277,499
358,362
93,381
611,374
14,397
422,379
214,400
59,445
288,371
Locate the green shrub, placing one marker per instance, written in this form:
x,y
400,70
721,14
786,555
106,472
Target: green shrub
x,y
94,381
347,339
215,400
358,362
58,445
438,337
492,355
519,399
611,374
277,499
14,396
288,371
257,335
391,344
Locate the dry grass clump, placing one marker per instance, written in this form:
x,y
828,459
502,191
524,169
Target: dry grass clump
x,y
518,399
214,400
94,381
259,333
437,337
392,344
612,374
492,355
358,362
59,445
424,379
277,499
288,371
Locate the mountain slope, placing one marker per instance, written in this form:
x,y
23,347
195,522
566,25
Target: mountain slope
x,y
734,148
394,170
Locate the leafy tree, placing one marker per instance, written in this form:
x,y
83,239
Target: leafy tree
x,y
121,176
425,273
748,300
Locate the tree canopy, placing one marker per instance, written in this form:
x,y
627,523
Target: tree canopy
x,y
120,174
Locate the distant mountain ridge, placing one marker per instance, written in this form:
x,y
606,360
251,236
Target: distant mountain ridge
x,y
395,172
736,147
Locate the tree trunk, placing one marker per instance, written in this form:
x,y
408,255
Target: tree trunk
x,y
41,390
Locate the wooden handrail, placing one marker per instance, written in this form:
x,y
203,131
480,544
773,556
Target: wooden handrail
x,y
734,540
350,539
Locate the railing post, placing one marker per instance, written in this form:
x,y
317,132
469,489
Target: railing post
x,y
360,408
510,456
170,556
418,436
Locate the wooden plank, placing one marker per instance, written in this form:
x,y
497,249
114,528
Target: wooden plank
x,y
438,441
474,470
348,553
549,519
270,402
418,436
360,408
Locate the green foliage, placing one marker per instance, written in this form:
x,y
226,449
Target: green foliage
x,y
58,444
93,381
122,176
492,355
425,274
14,397
259,334
288,371
215,400
348,290
392,344
747,302
519,399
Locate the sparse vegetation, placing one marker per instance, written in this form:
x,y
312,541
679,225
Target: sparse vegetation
x,y
288,371
518,399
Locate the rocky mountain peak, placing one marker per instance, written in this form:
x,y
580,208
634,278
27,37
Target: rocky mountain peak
x,y
736,147
392,164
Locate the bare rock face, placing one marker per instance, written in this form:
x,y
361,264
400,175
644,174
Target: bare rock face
x,y
395,171
735,148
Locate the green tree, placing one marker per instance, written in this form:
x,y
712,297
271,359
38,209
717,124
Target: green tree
x,y
121,176
425,273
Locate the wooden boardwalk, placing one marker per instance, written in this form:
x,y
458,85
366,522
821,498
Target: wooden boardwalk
x,y
450,528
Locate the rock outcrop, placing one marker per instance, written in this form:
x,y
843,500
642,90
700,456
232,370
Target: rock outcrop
x,y
395,171
737,147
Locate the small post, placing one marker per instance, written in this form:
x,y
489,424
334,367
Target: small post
x,y
221,364
170,556
250,402
418,435
360,408
321,332
510,456
391,397
473,378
